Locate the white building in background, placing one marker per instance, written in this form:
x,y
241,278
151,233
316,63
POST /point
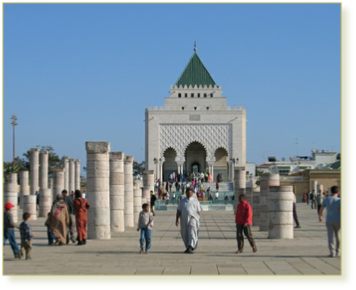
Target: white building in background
x,y
195,131
319,159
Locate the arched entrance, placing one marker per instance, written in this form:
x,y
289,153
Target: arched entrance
x,y
169,165
195,167
195,158
221,165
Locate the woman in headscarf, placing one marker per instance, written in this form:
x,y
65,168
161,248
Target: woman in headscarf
x,y
81,206
59,220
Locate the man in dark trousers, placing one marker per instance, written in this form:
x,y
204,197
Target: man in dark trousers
x,y
295,216
152,203
72,232
243,222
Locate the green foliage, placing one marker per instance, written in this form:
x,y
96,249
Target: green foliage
x,y
258,172
138,168
10,167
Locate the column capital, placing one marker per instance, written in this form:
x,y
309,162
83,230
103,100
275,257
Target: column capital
x,y
116,156
129,159
180,159
97,147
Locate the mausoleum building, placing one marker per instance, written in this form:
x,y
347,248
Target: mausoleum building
x,y
195,131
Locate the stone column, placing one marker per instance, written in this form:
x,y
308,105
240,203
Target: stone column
x,y
45,202
129,205
34,170
314,185
10,194
43,169
180,167
58,181
65,163
24,188
29,205
157,168
148,185
266,180
256,207
161,161
77,174
281,212
232,170
71,175
117,192
239,184
98,195
45,197
211,168
137,200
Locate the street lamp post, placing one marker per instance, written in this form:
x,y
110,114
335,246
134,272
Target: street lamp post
x,y
13,124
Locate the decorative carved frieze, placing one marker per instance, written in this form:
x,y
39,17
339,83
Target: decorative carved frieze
x,y
178,137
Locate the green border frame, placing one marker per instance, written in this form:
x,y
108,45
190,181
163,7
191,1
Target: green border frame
x,y
344,280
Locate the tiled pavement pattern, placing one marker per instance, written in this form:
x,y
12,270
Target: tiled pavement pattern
x,y
306,254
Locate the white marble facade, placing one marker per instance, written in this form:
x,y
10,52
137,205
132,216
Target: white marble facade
x,y
195,121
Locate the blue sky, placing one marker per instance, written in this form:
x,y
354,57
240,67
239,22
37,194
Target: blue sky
x,y
75,73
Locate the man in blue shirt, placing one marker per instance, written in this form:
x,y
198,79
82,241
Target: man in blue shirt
x,y
332,205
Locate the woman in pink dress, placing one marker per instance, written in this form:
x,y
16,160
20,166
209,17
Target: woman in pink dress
x,y
210,178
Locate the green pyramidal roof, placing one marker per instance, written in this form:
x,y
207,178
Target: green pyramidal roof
x,y
195,73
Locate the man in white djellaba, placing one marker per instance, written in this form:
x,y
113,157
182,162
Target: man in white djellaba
x,y
189,213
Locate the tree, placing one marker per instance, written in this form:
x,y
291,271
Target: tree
x,y
138,168
12,167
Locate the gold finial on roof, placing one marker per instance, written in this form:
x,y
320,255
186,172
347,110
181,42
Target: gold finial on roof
x,y
195,46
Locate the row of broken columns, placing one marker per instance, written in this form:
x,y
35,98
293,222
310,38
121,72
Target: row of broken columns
x,y
114,196
272,204
67,177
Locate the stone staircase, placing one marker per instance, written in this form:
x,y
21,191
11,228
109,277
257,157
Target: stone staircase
x,y
223,186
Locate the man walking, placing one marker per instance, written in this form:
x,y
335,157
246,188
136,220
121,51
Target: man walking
x,y
72,232
295,216
332,205
152,203
319,200
313,199
243,222
188,212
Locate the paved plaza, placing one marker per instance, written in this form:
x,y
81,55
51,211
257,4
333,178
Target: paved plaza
x,y
306,254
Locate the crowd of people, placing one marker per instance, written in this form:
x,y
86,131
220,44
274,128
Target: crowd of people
x,y
168,190
70,212
66,221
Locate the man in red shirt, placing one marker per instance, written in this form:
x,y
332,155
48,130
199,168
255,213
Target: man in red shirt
x,y
243,222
